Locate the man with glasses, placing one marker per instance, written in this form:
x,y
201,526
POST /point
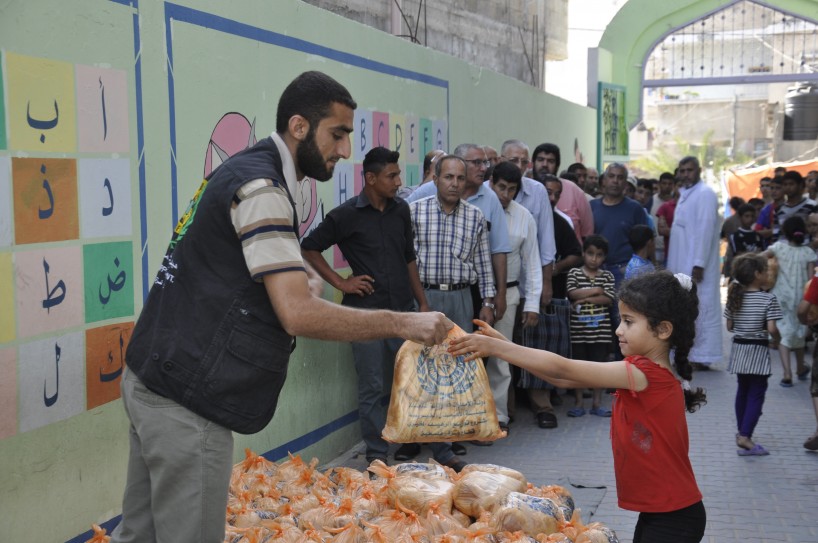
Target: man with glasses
x,y
481,196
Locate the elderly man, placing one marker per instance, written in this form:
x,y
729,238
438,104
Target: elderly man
x,y
592,182
694,250
573,202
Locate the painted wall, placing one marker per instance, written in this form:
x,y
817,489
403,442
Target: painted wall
x,y
111,111
641,24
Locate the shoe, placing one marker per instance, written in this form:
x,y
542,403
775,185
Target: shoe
x,y
407,451
481,443
456,464
600,411
802,375
576,412
556,399
786,383
757,450
504,428
458,448
812,443
546,420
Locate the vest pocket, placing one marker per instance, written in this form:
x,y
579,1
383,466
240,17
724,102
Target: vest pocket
x,y
245,379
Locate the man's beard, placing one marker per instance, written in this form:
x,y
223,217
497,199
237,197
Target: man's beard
x,y
309,160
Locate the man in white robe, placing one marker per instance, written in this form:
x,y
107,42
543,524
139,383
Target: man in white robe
x,y
694,250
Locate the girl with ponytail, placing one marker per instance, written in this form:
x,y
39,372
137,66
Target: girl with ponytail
x,y
796,264
648,428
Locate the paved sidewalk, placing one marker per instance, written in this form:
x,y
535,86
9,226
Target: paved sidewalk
x,y
749,499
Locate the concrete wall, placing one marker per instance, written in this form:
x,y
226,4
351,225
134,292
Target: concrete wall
x,y
111,111
502,35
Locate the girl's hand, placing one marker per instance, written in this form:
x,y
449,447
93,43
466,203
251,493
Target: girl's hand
x,y
473,346
486,330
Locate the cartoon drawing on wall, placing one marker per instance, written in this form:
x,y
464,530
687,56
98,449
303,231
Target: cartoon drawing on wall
x,y
102,109
578,156
310,209
45,199
233,133
41,104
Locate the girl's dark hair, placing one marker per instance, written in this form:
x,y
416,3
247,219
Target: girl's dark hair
x,y
744,269
660,297
794,229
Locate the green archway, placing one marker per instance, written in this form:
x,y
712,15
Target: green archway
x,y
641,24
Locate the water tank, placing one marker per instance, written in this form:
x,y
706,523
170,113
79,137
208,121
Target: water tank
x,y
801,112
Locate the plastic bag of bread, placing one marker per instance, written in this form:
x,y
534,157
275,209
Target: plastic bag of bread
x,y
478,491
420,494
597,532
530,514
439,397
494,468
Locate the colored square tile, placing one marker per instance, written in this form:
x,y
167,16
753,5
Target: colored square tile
x,y
45,199
109,281
104,362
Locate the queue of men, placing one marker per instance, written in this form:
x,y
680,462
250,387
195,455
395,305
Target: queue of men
x,y
491,235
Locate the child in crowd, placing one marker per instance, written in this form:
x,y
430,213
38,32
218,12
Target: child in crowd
x,y
591,291
751,314
648,430
745,239
796,264
643,242
807,315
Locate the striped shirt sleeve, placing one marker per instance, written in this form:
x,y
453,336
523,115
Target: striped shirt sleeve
x,y
263,218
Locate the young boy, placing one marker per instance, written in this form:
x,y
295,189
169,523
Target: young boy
x,y
745,239
591,291
643,242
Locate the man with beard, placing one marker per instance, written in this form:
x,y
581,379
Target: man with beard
x,y
573,202
209,353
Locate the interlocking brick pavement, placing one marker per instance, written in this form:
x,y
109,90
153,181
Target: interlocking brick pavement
x,y
749,499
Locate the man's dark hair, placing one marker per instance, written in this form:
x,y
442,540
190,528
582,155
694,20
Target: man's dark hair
x,y
793,175
756,202
570,176
549,178
311,95
639,236
778,180
428,159
645,183
736,202
746,208
779,170
667,175
573,168
766,178
595,240
549,149
377,159
509,172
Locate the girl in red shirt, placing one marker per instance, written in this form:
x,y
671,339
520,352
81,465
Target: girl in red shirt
x,y
648,428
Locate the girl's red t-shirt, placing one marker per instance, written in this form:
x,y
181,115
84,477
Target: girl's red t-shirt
x,y
650,444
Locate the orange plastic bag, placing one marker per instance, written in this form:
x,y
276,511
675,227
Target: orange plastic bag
x,y
439,397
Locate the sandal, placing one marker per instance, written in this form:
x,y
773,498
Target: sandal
x,y
802,375
576,412
786,383
757,450
600,411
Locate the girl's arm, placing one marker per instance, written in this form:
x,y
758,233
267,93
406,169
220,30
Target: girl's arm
x,y
772,328
730,325
599,299
558,370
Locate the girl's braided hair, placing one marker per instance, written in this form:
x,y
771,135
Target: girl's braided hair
x,y
659,296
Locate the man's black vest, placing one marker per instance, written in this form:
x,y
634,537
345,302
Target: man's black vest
x,y
208,337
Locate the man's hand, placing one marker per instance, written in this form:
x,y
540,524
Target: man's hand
x,y
500,307
487,315
547,294
429,328
698,274
362,285
530,319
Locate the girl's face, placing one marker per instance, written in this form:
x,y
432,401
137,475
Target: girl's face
x,y
635,335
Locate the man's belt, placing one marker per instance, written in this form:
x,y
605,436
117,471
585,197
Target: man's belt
x,y
512,284
445,287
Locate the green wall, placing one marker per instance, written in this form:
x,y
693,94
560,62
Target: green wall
x,y
141,87
640,24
